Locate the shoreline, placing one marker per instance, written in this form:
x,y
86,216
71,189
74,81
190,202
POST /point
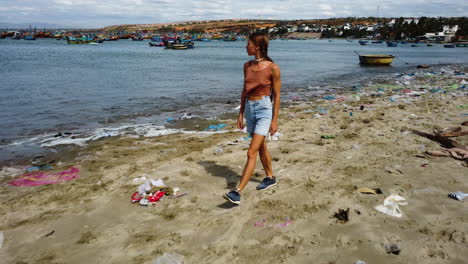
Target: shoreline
x,y
93,219
193,118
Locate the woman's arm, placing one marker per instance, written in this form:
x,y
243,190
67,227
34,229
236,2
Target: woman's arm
x,y
240,118
276,83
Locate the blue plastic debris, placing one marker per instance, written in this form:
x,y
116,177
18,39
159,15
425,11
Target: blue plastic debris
x,y
36,168
170,119
215,127
329,97
392,100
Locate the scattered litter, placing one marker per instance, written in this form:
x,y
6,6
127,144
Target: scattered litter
x,y
41,161
423,66
390,205
328,136
322,110
366,190
142,178
37,168
242,139
342,215
392,249
215,127
186,116
458,195
218,151
153,191
37,178
158,183
50,233
329,97
275,137
264,224
168,258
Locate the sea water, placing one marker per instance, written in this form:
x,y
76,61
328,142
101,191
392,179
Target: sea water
x,y
49,87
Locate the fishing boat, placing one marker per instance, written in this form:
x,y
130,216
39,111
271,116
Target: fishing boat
x,y
377,42
403,42
179,46
29,37
363,42
73,40
349,40
429,45
160,44
461,45
449,46
138,39
376,59
414,45
392,44
330,40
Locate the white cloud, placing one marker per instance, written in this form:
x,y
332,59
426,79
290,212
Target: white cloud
x,y
108,12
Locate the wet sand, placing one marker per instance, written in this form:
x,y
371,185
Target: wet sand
x,y
94,221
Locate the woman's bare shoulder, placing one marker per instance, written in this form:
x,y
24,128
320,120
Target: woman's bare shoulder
x,y
275,67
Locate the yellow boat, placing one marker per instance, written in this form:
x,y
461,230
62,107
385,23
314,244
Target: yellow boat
x,y
179,46
376,59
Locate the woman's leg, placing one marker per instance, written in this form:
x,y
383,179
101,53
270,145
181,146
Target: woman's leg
x,y
266,159
257,141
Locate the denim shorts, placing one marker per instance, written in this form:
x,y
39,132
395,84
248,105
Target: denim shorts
x,y
258,115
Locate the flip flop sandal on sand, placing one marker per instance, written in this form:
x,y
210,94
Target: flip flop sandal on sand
x,y
366,190
136,197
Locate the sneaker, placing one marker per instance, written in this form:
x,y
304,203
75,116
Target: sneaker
x,y
267,182
233,197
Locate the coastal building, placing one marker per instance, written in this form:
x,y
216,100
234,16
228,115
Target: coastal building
x,y
447,34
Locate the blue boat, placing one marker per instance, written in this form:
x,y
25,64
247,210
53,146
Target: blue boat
x,y
363,41
414,45
450,46
377,42
392,44
403,42
156,39
29,38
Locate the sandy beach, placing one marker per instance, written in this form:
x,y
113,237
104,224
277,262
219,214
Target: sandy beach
x,y
329,147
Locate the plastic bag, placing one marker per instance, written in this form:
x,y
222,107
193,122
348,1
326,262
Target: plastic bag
x,y
168,258
390,205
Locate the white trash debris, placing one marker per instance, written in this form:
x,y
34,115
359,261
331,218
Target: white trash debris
x,y
390,205
144,188
141,179
458,196
218,151
158,183
2,238
275,137
167,258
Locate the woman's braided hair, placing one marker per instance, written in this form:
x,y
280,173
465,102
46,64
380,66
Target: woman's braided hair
x,y
261,40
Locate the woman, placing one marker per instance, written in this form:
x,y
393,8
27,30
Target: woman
x,y
262,85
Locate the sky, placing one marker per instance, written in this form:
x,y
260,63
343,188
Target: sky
x,y
99,13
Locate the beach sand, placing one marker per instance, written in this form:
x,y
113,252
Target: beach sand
x,y
94,221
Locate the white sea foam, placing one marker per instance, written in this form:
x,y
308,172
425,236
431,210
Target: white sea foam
x,y
82,138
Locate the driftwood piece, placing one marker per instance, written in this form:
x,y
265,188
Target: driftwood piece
x,y
465,123
455,134
443,141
